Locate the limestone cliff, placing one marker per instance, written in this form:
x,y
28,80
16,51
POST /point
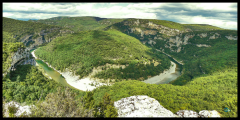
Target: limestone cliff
x,y
158,34
22,56
44,36
144,106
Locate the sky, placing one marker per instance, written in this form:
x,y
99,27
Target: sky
x,y
223,15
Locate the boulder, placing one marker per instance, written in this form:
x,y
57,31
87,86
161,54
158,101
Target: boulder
x,y
141,106
230,37
208,113
20,110
187,113
202,35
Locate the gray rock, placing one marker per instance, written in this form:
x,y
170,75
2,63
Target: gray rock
x,y
187,113
20,109
230,37
202,35
141,106
208,113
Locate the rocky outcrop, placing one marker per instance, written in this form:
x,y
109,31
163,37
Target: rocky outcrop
x,y
230,37
214,36
151,42
187,37
144,106
209,113
141,106
176,41
38,38
30,61
66,31
20,109
21,54
202,114
203,45
152,29
202,35
187,113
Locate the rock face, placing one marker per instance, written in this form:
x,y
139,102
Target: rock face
x,y
160,35
202,35
203,45
187,113
21,57
21,109
214,36
141,106
230,37
151,42
203,113
152,29
207,113
42,37
144,106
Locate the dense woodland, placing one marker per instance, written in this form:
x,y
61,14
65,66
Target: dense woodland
x,y
64,51
18,28
78,24
27,84
193,90
221,55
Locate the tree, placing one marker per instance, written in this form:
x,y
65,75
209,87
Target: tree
x,y
61,104
107,108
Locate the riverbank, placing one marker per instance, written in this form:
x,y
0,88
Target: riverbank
x,y
74,81
90,84
179,62
162,76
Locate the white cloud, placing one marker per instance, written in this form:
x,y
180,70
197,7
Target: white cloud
x,y
204,20
128,10
227,7
8,14
122,12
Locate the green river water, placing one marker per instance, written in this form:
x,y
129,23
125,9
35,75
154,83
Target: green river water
x,y
56,76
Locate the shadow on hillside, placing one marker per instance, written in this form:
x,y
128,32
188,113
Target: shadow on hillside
x,y
21,70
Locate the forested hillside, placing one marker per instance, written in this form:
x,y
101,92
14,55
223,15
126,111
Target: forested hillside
x,y
83,51
202,48
29,33
20,28
78,24
210,92
127,51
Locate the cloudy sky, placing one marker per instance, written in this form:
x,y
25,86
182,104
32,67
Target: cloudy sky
x,y
222,15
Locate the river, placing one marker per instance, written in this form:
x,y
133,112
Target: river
x,y
51,73
84,84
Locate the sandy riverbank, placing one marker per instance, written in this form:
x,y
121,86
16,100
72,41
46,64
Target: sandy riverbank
x,y
162,76
84,83
73,80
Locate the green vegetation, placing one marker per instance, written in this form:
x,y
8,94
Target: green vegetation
x,y
169,24
210,92
22,28
8,37
62,103
79,23
91,47
136,71
83,51
27,84
8,50
221,55
201,27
